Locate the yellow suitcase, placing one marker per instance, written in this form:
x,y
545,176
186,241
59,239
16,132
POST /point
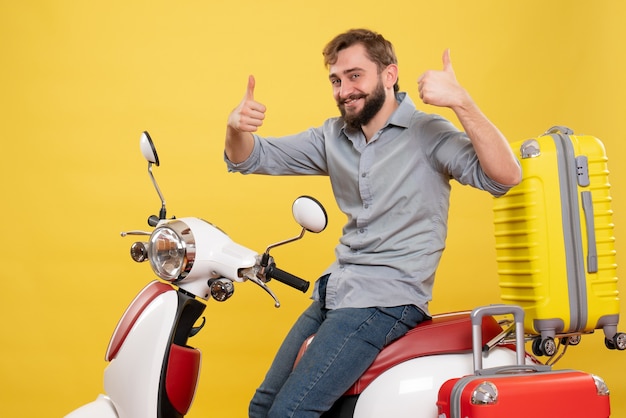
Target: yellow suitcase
x,y
555,244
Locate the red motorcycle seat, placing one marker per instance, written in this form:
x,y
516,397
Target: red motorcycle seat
x,y
443,334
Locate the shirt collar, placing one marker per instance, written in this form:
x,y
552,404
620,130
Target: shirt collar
x,y
404,113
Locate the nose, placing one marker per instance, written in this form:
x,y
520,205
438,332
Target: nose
x,y
345,90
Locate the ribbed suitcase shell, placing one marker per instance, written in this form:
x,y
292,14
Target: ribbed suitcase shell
x,y
554,237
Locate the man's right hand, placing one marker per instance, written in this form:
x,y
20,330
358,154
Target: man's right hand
x,y
249,115
242,121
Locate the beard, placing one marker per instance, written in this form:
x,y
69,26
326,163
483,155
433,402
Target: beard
x,y
373,103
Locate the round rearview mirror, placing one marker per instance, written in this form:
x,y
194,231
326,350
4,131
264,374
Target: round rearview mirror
x,y
310,214
147,148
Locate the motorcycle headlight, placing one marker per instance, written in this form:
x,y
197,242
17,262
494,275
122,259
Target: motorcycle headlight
x,y
172,251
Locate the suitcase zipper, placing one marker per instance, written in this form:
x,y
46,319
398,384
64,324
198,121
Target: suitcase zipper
x,y
575,268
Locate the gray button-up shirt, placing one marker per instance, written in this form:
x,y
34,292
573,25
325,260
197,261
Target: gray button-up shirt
x,y
395,193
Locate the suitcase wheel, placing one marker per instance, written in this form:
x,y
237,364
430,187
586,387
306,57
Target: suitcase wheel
x,y
571,340
617,342
544,347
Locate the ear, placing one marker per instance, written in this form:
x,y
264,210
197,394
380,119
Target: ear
x,y
390,75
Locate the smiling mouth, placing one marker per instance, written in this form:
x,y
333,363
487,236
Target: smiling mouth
x,y
352,100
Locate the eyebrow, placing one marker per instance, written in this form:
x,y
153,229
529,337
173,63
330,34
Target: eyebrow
x,y
348,71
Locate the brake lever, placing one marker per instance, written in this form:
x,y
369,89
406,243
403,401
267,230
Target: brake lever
x,y
263,286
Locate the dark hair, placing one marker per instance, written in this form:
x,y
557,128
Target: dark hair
x,y
378,49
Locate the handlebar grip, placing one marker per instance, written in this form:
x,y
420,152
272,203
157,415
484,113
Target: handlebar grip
x,y
289,279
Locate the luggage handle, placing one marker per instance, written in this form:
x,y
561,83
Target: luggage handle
x,y
476,317
516,369
559,130
592,250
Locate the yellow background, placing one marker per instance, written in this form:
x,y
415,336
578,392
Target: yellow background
x,y
80,80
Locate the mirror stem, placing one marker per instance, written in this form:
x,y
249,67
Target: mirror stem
x,y
287,241
163,212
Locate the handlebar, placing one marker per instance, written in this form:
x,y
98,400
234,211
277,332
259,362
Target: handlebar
x,y
273,272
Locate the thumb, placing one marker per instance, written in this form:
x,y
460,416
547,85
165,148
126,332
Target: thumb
x,y
250,89
447,62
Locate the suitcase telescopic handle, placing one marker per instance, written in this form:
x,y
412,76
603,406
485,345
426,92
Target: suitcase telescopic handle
x,y
592,249
477,338
559,130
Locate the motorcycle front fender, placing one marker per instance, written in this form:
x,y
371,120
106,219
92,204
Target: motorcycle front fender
x,y
102,407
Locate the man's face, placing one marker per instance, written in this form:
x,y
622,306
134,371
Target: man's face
x,y
357,86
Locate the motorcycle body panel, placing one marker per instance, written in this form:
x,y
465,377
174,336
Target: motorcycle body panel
x,y
410,389
131,315
152,372
223,258
143,351
102,407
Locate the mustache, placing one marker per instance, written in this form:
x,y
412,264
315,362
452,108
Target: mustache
x,y
351,97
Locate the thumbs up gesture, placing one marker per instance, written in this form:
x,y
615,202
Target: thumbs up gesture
x,y
440,87
249,115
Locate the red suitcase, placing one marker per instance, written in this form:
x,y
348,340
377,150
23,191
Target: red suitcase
x,y
520,390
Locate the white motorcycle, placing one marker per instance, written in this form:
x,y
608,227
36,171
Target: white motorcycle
x,y
153,372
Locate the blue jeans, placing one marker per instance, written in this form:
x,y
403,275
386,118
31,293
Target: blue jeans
x,y
346,343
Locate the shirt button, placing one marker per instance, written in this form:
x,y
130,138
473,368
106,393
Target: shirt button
x,y
361,230
363,174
